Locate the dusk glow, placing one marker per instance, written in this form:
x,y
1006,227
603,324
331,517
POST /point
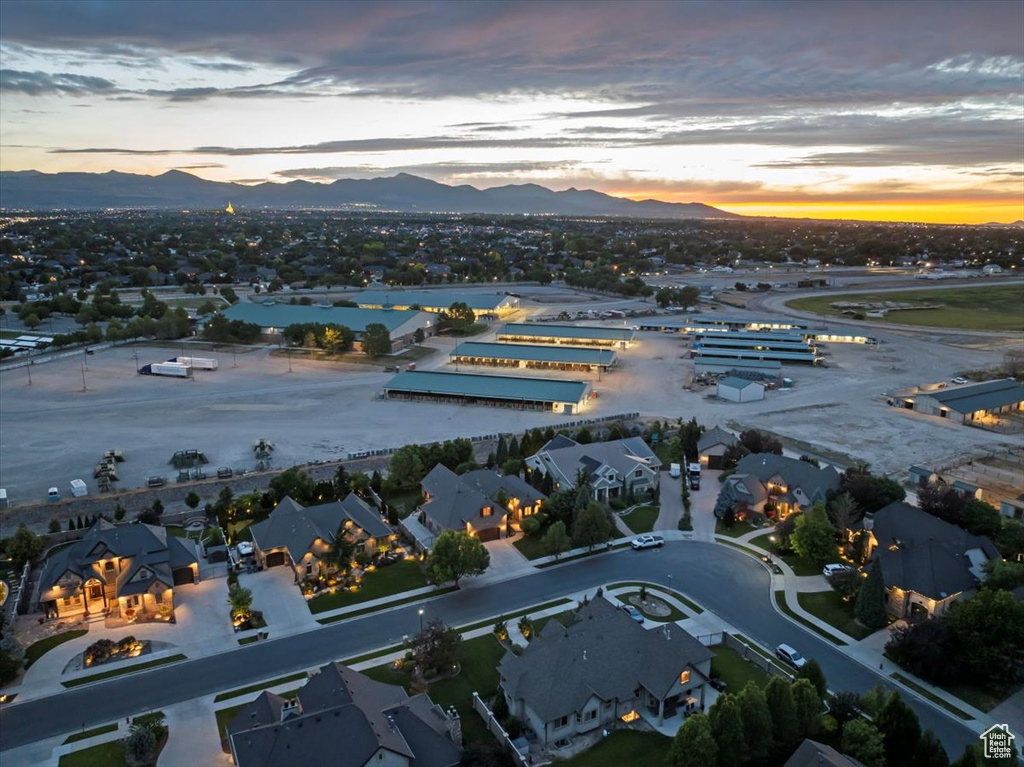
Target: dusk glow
x,y
907,111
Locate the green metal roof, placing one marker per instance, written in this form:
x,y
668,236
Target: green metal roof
x,y
544,330
568,354
278,315
983,396
435,299
515,388
739,364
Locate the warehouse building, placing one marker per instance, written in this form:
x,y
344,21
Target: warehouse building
x,y
501,391
483,304
737,389
793,336
571,358
569,335
748,322
786,358
274,317
983,403
726,342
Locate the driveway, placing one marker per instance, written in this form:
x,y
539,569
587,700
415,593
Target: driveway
x,y
671,500
702,504
275,593
506,562
202,616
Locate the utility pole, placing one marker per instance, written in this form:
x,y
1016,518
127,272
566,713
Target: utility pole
x,y
83,377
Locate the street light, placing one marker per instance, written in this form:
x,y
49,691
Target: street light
x,y
421,620
772,550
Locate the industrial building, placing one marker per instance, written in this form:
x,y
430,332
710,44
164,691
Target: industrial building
x,y
737,389
770,369
698,326
502,391
569,335
273,317
483,304
795,336
982,403
572,358
787,358
725,341
748,322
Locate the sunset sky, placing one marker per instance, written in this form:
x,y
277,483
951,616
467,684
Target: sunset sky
x,y
874,110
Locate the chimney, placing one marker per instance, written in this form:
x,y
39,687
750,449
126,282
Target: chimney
x,y
455,726
869,521
668,634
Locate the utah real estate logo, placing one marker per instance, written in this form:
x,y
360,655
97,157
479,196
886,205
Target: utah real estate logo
x,y
998,741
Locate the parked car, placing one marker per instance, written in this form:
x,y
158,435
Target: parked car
x,y
648,542
960,380
633,613
53,494
830,570
789,655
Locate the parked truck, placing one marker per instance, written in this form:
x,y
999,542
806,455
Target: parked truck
x,y
674,470
198,363
693,475
172,369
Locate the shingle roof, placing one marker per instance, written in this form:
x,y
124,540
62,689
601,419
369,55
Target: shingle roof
x,y
456,500
715,436
814,754
814,482
930,555
982,396
606,653
622,455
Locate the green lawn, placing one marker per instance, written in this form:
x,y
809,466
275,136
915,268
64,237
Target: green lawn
x,y
566,618
995,307
239,531
799,565
982,698
624,747
734,670
830,607
37,650
393,603
401,576
738,528
122,671
780,600
641,519
530,547
694,607
75,737
176,531
675,614
104,755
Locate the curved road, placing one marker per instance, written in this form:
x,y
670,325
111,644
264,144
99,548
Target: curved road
x,y
723,580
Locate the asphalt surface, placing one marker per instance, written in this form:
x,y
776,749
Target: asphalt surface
x,y
727,582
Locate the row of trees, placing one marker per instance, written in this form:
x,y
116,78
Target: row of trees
x,y
331,337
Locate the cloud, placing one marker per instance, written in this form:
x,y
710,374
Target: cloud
x,y
437,170
199,166
42,84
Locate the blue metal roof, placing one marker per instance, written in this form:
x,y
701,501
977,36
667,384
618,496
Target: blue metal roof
x,y
983,396
545,330
432,299
573,355
756,354
514,388
279,315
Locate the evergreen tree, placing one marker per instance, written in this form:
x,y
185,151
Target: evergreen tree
x,y
870,607
727,730
808,708
591,526
811,671
726,499
513,449
778,694
342,482
501,452
863,742
582,499
693,745
969,758
900,730
757,722
930,752
375,481
547,484
71,524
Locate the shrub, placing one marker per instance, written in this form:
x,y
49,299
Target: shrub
x,y
530,525
140,743
500,708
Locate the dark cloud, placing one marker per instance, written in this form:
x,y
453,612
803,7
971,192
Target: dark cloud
x,y
199,166
43,84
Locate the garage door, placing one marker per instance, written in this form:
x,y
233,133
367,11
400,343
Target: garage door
x,y
183,575
275,559
491,534
714,462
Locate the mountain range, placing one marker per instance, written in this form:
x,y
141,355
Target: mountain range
x,y
405,193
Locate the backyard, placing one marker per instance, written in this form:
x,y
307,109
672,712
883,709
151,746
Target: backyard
x,y
382,582
730,666
624,747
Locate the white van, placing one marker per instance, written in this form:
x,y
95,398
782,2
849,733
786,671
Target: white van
x,y
78,488
53,494
674,470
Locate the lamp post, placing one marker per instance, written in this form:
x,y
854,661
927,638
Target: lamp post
x,y
771,551
421,620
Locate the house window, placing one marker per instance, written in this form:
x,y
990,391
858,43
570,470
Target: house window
x,y
67,601
685,676
485,511
309,569
563,722
638,473
108,565
590,716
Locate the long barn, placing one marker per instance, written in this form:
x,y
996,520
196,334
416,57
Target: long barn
x,y
569,335
515,392
570,358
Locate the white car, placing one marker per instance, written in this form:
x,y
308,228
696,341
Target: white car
x,y
244,548
790,656
648,542
633,613
830,570
960,380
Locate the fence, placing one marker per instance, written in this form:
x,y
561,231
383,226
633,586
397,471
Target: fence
x,y
16,599
494,726
748,653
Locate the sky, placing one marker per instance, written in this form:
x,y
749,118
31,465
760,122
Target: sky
x,y
899,111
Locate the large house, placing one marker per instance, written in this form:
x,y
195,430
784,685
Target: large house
x,y
927,564
610,467
349,720
482,503
117,568
571,680
300,536
777,486
712,446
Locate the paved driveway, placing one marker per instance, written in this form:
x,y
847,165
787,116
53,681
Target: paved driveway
x,y
275,593
203,617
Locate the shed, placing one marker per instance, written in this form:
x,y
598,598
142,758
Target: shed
x,y
737,389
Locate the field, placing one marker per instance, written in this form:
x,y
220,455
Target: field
x,y
994,307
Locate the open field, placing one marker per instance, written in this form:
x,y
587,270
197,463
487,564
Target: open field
x,y
991,307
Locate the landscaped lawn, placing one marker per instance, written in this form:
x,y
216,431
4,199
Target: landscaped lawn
x,y
530,547
830,607
738,528
624,747
239,531
982,698
176,531
122,671
734,670
675,614
383,582
77,736
104,755
641,519
36,650
405,502
799,565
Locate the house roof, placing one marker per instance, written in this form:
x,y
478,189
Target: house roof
x,y
295,527
982,396
440,300
919,471
715,436
922,553
458,499
341,706
798,475
814,754
621,455
270,313
735,382
605,653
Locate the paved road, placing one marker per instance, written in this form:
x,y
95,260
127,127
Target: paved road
x,y
730,583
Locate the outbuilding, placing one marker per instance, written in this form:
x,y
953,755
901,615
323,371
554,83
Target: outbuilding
x,y
570,335
568,358
737,389
515,392
980,404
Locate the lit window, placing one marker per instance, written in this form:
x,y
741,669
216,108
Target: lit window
x,y
632,716
685,676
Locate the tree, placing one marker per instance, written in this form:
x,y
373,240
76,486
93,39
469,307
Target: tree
x,y
843,512
556,539
228,294
969,758
813,537
808,709
811,671
192,499
406,466
376,340
501,451
240,599
726,500
140,743
871,493
757,722
758,442
930,752
456,555
436,648
988,636
863,742
727,730
844,707
900,730
1002,574
54,526
693,745
778,694
24,546
459,317
870,607
591,526
981,518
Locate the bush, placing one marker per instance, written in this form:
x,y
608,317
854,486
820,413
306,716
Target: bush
x,y
140,743
500,708
531,526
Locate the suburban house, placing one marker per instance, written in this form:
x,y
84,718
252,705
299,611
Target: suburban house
x,y
117,568
610,467
777,486
348,719
299,536
482,503
712,445
814,754
571,680
927,563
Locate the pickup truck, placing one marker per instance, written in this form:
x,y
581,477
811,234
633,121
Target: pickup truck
x,y
156,481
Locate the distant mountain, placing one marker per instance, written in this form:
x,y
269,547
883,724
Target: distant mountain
x,y
405,193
